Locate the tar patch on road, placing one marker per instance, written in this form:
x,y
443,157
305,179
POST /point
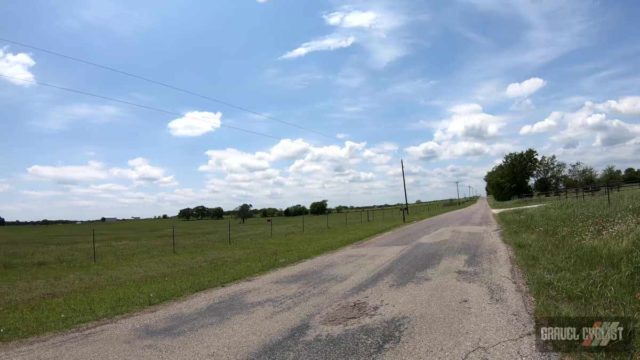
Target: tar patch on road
x,y
364,342
412,266
347,313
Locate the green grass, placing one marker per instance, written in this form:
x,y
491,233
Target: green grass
x,y
580,257
49,281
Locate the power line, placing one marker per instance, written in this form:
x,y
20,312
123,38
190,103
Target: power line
x,y
146,107
163,84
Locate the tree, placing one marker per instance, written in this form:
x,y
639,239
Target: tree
x,y
216,213
2,222
511,177
318,207
631,175
295,210
103,219
580,175
548,175
165,216
186,213
244,212
200,212
610,175
341,208
269,212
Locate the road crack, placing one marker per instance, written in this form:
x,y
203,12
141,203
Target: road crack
x,y
487,348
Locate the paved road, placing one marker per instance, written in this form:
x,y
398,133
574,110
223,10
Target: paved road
x,y
442,288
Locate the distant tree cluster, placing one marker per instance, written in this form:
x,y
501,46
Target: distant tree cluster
x,y
2,222
296,210
521,173
318,207
201,212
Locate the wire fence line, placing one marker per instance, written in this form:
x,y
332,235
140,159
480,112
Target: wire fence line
x,y
592,191
123,240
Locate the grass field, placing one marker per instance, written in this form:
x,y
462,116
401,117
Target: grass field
x,y
579,257
49,281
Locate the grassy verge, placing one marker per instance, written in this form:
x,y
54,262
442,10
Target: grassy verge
x,y
580,258
48,281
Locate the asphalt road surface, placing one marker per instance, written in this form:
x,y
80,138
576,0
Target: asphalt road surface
x,y
442,288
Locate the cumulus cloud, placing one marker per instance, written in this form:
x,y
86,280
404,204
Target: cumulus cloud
x,y
591,125
329,43
526,88
140,171
468,132
469,121
69,174
548,124
629,105
195,123
17,67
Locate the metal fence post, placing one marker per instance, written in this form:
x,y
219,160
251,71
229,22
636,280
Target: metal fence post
x,y
327,220
302,222
403,218
229,231
608,196
173,238
271,227
346,221
361,211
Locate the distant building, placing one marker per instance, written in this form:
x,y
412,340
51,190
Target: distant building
x,y
110,219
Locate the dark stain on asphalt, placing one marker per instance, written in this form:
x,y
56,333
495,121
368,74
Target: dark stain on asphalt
x,y
412,265
363,342
213,314
318,276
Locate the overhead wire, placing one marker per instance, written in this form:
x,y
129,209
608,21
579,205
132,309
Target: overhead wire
x,y
130,103
164,84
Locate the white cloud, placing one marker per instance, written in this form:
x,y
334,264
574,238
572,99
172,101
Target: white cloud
x,y
4,186
548,124
289,149
629,105
70,174
16,67
342,136
234,161
591,126
469,121
351,19
329,43
195,123
525,88
141,171
468,132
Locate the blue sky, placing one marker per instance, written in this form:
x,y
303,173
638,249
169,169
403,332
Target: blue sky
x,y
450,86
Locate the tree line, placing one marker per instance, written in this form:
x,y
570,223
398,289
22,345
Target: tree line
x,y
522,173
246,211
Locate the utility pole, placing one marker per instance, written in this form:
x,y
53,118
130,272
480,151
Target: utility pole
x,y
404,183
458,192
469,194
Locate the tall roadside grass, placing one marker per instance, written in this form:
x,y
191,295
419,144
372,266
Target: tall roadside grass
x,y
580,257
